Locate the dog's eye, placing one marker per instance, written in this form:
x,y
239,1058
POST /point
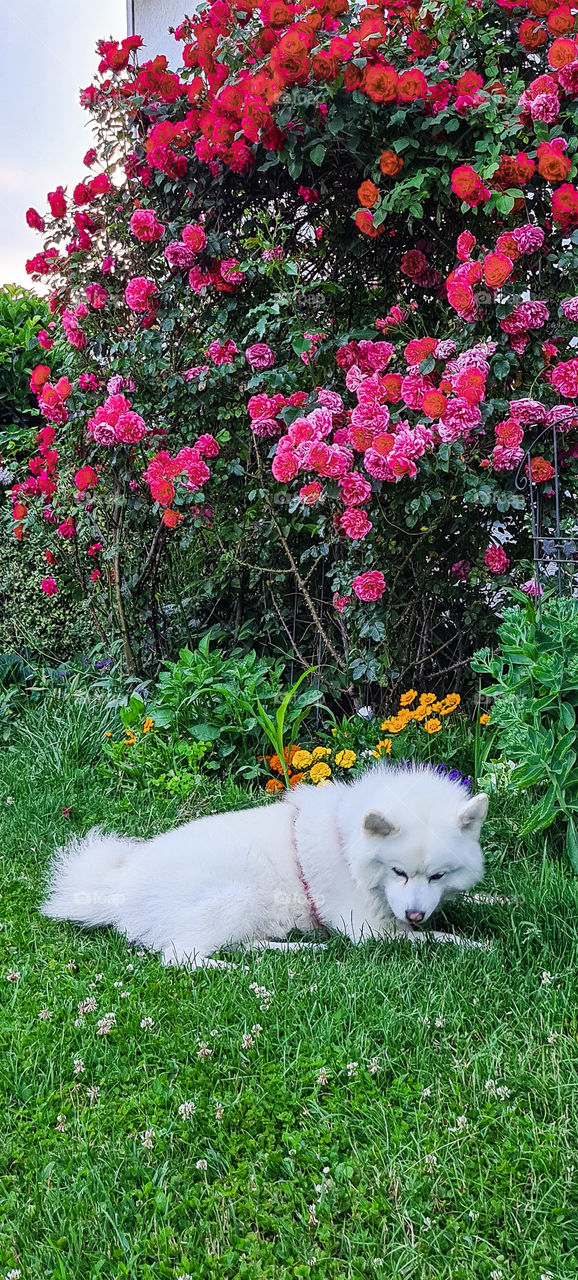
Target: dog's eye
x,y
397,872
439,875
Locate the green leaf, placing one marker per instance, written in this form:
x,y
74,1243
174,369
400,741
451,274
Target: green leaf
x,y
568,715
317,154
572,844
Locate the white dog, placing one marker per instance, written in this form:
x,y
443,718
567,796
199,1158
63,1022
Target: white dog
x,y
370,858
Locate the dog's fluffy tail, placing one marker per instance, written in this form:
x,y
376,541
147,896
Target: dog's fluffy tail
x,y
84,879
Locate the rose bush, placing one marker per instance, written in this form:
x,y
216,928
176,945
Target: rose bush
x,y
316,292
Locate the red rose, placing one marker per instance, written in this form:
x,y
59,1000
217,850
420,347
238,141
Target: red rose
x,y
57,202
364,223
34,220
565,206
289,60
325,67
413,263
85,479
411,85
531,34
380,83
99,185
468,185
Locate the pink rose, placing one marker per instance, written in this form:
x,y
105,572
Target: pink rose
x,y
355,524
369,586
49,587
145,226
140,293
496,559
260,356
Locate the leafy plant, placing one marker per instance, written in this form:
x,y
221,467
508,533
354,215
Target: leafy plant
x,y
221,701
535,692
288,719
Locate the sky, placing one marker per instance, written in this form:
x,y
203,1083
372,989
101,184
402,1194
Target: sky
x,y
48,55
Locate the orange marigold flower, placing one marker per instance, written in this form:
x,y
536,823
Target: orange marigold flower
x,y
273,786
382,748
408,697
433,726
426,699
484,719
275,764
148,725
295,779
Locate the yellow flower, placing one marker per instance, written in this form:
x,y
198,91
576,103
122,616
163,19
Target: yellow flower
x,y
130,739
320,753
302,759
319,772
345,759
485,719
426,699
432,726
108,734
407,698
382,748
449,704
148,725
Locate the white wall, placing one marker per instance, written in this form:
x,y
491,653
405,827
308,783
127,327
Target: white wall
x,y
151,20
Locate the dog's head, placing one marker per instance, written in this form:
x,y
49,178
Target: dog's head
x,y
417,855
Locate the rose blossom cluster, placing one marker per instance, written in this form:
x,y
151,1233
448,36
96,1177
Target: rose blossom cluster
x,y
188,467
115,422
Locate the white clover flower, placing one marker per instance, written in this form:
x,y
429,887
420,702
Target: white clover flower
x,y
186,1110
147,1138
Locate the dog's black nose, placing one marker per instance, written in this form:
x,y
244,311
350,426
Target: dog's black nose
x,y
414,917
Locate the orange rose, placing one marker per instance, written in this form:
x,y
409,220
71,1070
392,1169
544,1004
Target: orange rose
x,y
368,194
434,404
506,244
561,53
497,268
411,85
390,163
553,165
560,22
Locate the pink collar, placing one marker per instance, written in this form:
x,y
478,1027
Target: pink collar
x,y
317,920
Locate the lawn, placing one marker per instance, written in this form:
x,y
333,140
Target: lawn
x,y
382,1112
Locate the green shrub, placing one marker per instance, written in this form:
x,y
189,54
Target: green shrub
x,y
535,674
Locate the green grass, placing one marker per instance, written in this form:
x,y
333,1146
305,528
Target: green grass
x,y
422,1169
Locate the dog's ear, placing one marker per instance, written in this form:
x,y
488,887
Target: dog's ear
x,y
472,814
374,824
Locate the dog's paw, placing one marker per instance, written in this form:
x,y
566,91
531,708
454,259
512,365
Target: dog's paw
x,y
459,941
